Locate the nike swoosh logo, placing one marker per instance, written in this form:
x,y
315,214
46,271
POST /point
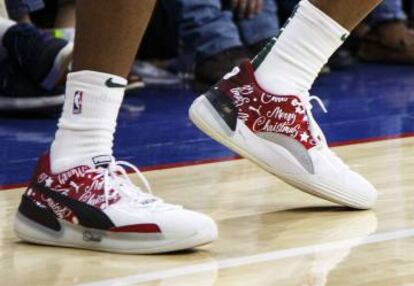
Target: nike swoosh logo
x,y
110,83
224,107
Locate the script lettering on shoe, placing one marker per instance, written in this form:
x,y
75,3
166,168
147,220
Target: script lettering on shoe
x,y
243,116
268,98
263,112
41,200
78,172
240,94
263,124
59,210
78,185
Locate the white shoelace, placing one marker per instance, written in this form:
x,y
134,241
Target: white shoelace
x,y
116,179
314,128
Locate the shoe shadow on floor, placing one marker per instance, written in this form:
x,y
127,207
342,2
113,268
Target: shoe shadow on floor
x,y
321,209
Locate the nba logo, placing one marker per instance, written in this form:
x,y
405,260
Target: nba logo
x,y
77,102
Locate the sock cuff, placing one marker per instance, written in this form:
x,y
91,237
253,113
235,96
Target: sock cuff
x,y
96,87
314,14
290,63
88,121
99,79
92,95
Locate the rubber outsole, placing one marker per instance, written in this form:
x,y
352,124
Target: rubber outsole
x,y
75,236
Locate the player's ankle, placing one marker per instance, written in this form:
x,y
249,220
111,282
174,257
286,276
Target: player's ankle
x,y
290,63
88,119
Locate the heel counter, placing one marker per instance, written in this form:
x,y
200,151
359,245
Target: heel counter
x,y
42,166
224,107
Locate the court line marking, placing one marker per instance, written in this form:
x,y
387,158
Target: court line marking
x,y
252,259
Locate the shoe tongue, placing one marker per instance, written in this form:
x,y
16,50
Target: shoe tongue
x,y
100,161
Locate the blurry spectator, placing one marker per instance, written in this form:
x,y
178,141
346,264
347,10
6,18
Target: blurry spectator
x,y
384,37
66,16
408,6
64,20
389,39
223,33
19,10
3,9
33,68
46,13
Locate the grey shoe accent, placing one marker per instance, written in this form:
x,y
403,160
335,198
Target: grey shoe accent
x,y
293,146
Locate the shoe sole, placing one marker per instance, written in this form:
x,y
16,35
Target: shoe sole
x,y
205,117
76,236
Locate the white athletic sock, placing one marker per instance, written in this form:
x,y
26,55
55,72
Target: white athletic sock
x,y
88,120
303,47
5,24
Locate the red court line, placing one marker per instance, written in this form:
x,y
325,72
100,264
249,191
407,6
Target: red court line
x,y
235,157
13,186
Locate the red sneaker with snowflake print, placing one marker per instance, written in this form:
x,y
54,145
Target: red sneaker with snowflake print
x,y
279,133
98,207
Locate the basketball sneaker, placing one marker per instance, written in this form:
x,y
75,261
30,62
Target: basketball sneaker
x,y
278,133
98,207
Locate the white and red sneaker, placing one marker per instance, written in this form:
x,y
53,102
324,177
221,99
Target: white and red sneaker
x,y
279,134
100,208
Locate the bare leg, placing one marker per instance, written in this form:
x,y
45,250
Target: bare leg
x,y
107,38
108,33
347,13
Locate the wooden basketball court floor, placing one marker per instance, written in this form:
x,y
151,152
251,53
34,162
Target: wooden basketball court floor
x,y
270,233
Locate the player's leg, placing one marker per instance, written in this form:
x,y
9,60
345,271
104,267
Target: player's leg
x,y
311,36
79,195
348,14
124,23
262,110
107,38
